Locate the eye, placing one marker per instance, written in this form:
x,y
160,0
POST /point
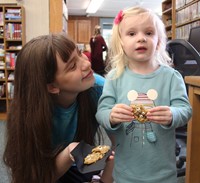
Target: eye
x,y
149,33
72,66
131,33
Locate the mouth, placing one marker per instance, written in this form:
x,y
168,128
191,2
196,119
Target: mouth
x,y
89,75
141,48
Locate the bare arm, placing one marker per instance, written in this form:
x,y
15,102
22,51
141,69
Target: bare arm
x,y
64,160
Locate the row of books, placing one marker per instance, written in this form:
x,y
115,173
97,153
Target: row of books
x,y
181,3
184,31
189,13
2,50
2,90
10,59
2,64
10,75
13,31
1,19
10,88
1,31
13,14
166,6
14,10
2,75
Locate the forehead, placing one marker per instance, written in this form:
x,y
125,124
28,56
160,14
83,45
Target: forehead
x,y
64,63
135,21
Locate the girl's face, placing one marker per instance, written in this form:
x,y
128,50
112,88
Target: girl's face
x,y
139,37
74,76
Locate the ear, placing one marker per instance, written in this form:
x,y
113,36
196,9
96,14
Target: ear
x,y
52,89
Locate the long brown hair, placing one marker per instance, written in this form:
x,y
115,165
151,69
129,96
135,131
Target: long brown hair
x,y
28,152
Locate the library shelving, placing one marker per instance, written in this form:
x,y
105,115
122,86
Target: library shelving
x,y
12,38
187,16
179,16
168,17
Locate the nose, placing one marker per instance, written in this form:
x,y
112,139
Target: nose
x,y
142,38
85,64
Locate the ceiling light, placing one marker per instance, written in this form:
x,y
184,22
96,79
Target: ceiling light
x,y
94,6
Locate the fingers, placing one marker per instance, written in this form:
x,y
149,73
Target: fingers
x,y
124,113
160,114
120,117
121,113
72,146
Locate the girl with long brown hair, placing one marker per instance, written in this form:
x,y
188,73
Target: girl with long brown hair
x,y
54,104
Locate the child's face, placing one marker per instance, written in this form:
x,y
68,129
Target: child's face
x,y
74,76
139,37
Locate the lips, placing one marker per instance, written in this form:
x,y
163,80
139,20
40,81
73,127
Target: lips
x,y
142,48
88,75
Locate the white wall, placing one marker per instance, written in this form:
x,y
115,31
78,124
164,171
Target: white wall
x,y
37,16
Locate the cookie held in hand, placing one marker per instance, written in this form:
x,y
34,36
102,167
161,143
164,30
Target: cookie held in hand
x,y
140,113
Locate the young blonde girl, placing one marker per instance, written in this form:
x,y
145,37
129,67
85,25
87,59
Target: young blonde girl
x,y
144,100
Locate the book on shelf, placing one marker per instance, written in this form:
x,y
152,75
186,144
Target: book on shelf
x,y
1,19
10,89
2,90
189,13
13,10
13,14
184,31
13,31
10,60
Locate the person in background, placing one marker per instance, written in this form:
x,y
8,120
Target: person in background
x,y
87,51
144,100
54,106
98,46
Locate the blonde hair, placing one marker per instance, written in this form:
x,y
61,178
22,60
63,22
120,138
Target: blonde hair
x,y
118,59
87,47
97,30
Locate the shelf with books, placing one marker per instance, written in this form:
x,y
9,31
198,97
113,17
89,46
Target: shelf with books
x,y
187,16
168,17
12,38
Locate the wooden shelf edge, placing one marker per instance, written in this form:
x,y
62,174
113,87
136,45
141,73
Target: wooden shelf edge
x,y
192,80
3,116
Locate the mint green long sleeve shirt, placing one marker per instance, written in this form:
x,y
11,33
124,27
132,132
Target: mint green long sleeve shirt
x,y
137,159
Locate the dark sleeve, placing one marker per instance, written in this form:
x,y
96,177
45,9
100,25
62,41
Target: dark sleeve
x,y
91,45
103,44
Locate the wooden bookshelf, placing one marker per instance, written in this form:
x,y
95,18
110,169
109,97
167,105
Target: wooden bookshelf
x,y
193,142
179,16
168,17
12,38
187,16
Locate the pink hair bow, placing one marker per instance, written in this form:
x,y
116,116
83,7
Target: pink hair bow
x,y
118,18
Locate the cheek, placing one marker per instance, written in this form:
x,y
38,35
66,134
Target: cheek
x,y
66,79
128,49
